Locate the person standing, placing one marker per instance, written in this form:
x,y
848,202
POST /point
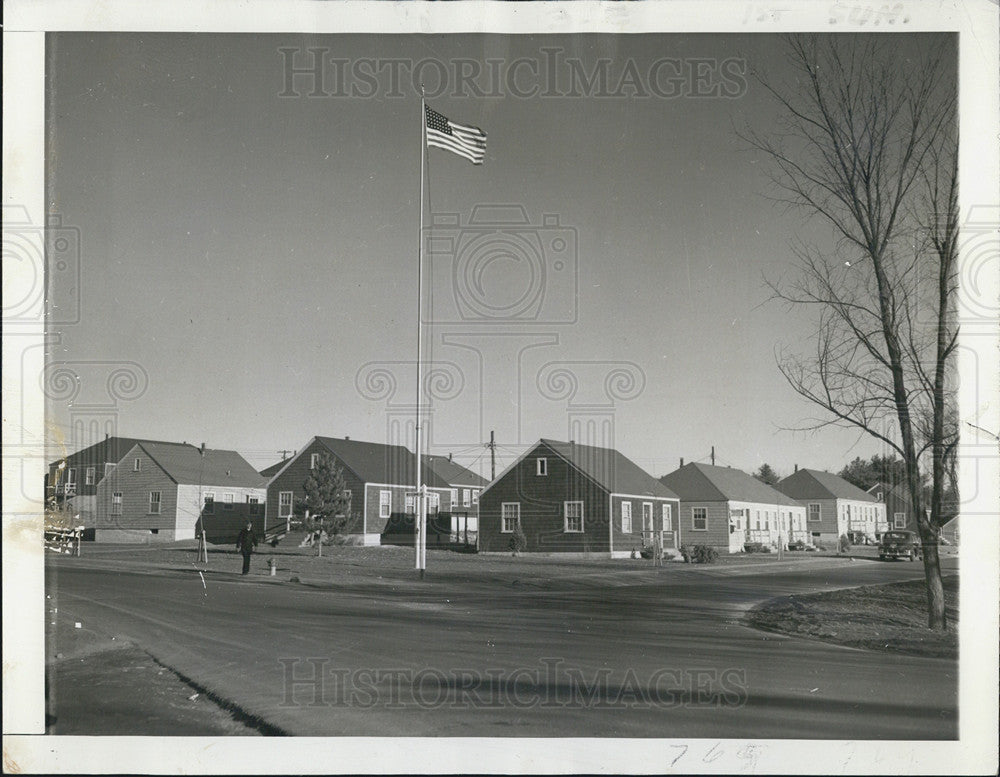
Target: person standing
x,y
245,543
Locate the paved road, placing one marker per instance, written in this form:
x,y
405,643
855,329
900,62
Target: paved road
x,y
657,653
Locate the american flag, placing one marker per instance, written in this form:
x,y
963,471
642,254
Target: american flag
x,y
469,142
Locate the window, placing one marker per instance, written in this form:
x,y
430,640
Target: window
x,y
91,473
668,518
466,497
899,520
647,516
253,505
385,504
510,516
408,504
154,502
137,465
116,503
347,497
108,467
71,476
209,504
227,501
454,498
627,517
285,504
475,496
313,460
573,516
699,519
541,466
814,511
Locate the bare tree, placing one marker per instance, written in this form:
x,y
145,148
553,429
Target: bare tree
x,y
867,147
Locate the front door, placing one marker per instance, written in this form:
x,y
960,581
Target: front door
x,y
647,523
737,531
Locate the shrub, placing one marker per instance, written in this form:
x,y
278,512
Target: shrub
x,y
518,542
797,545
756,547
704,554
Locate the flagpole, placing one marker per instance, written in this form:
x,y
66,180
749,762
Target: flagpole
x,y
419,520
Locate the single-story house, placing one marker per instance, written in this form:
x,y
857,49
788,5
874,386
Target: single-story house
x,y
571,498
901,515
381,486
158,492
72,481
727,508
465,486
835,507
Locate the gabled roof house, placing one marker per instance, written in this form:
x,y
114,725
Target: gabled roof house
x,y
834,506
571,498
727,508
381,481
158,491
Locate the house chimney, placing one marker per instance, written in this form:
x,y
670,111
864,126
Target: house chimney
x,y
796,467
449,455
203,449
682,461
107,436
347,437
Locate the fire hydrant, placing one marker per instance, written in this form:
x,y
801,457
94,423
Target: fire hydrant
x,y
273,566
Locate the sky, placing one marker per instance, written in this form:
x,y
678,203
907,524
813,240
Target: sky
x,y
249,244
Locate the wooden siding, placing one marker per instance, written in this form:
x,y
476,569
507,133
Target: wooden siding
x,y
294,477
766,523
399,521
542,499
135,488
634,540
189,507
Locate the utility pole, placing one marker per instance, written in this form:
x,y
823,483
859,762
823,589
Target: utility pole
x,y
713,455
492,445
284,454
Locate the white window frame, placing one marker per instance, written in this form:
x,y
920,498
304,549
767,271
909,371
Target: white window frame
x,y
626,513
652,519
227,501
667,516
433,502
384,501
566,517
695,515
409,505
313,460
208,503
475,496
158,503
454,498
108,466
137,465
348,497
542,466
253,504
466,497
505,517
116,502
90,476
899,520
282,505
71,476
809,512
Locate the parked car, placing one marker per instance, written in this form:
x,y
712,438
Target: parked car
x,y
900,544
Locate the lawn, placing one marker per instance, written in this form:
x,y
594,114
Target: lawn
x,y
890,618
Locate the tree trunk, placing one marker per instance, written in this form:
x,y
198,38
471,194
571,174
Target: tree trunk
x,y
936,614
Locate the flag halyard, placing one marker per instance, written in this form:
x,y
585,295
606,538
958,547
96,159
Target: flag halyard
x,y
468,142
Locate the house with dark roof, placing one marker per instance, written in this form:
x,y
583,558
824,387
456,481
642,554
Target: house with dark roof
x,y
727,508
572,498
381,483
158,492
72,480
465,486
901,515
835,507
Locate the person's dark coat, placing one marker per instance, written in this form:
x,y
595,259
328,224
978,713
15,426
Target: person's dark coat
x,y
246,541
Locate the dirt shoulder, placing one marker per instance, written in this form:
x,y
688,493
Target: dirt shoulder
x,y
890,618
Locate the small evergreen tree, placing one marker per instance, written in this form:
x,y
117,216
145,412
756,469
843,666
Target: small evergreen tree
x,y
325,496
765,474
